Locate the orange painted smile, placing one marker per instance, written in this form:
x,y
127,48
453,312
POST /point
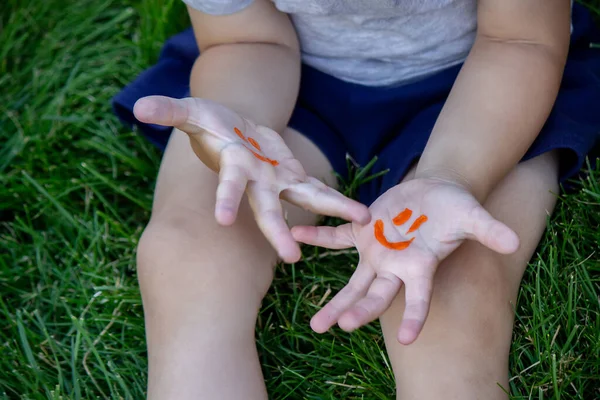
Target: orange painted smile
x,y
254,144
398,220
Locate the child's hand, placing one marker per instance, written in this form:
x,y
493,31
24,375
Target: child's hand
x,y
249,158
414,226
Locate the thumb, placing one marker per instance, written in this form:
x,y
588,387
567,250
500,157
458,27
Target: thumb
x,y
166,111
490,232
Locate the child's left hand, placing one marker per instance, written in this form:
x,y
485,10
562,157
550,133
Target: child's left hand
x,y
414,226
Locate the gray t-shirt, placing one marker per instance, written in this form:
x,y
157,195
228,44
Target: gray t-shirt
x,y
374,42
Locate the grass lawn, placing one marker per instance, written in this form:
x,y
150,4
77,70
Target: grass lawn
x,y
75,194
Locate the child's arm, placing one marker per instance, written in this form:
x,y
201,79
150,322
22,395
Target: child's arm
x,y
249,61
244,86
497,107
503,94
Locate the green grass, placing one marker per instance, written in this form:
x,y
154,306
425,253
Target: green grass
x,y
75,193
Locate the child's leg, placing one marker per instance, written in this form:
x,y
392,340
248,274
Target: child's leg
x,y
463,350
202,284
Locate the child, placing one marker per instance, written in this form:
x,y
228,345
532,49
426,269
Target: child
x,y
477,108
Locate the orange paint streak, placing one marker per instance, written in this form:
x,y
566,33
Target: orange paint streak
x,y
383,241
418,222
257,146
240,134
254,143
402,217
263,158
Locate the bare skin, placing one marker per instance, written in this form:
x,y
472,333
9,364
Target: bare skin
x,y
412,259
201,294
195,332
462,351
503,94
488,122
254,160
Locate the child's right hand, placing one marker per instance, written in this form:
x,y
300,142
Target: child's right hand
x,y
251,158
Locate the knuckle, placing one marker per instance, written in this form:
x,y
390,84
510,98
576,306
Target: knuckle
x,y
350,288
376,300
265,187
330,234
231,184
388,279
320,190
367,312
415,313
271,214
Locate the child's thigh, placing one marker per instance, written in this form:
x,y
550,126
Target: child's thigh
x,y
183,225
463,349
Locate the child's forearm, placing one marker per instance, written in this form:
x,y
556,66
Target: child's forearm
x,y
497,107
260,81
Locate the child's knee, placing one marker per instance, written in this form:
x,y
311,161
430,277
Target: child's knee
x,y
471,311
475,291
476,273
188,257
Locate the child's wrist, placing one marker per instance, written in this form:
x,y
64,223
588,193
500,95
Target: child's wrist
x,y
453,176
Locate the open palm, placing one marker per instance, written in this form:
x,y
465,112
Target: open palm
x,y
253,159
414,226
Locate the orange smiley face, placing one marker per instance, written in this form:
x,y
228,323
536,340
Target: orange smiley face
x,y
254,144
398,220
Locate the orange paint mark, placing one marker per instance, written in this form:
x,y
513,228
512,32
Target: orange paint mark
x,y
402,217
254,143
390,245
418,222
240,134
263,158
257,146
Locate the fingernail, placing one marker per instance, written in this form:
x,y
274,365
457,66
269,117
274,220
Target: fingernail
x,y
291,258
508,238
225,216
405,336
144,109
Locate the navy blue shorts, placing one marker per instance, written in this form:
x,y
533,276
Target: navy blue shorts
x,y
393,123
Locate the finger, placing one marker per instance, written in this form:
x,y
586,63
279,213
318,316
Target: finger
x,y
167,111
265,203
378,299
339,237
321,199
490,232
354,290
417,299
232,184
